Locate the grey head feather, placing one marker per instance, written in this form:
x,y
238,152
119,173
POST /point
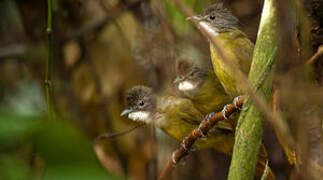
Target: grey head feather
x,y
220,18
141,98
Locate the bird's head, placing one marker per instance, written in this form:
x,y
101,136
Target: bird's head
x,y
216,19
141,103
189,76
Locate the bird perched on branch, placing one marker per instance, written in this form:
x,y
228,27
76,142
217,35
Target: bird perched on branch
x,y
178,117
201,86
205,91
219,22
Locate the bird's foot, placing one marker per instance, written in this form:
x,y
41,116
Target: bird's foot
x,y
173,158
184,145
224,111
236,100
209,116
182,162
201,132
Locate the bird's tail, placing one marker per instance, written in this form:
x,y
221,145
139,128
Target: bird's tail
x,y
262,163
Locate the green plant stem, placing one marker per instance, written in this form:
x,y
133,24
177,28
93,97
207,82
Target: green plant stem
x,y
250,125
48,83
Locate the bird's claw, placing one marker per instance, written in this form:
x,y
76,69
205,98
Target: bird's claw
x,y
235,101
184,146
200,130
173,158
224,111
208,116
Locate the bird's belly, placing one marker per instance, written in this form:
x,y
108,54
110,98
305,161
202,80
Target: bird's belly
x,y
179,133
224,74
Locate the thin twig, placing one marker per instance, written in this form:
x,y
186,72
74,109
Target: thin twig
x,y
259,101
48,84
114,135
265,174
288,150
189,140
316,56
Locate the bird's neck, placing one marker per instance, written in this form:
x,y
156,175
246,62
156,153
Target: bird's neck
x,y
230,35
164,103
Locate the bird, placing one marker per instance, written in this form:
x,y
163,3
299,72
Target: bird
x,y
177,117
220,22
201,86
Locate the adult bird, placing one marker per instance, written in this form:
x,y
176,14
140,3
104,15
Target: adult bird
x,y
219,22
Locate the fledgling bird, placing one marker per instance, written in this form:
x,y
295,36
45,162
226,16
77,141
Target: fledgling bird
x,y
178,117
201,86
220,22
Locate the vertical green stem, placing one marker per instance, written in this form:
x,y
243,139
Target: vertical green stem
x,y
48,83
250,125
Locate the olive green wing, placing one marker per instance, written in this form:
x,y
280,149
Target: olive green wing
x,y
188,113
242,48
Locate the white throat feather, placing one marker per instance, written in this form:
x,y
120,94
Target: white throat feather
x,y
186,86
142,116
207,28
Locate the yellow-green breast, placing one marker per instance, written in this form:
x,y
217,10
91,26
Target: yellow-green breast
x,y
239,49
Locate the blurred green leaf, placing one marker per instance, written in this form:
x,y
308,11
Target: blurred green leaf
x,y
15,128
66,152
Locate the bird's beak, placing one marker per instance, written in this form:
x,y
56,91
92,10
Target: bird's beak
x,y
177,80
194,18
126,111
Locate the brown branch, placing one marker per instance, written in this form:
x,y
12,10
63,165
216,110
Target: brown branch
x,y
205,126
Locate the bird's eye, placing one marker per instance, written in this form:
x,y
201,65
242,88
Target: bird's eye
x,y
141,103
212,17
